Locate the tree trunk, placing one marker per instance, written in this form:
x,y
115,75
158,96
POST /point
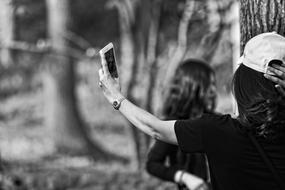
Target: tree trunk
x,y
138,27
126,20
175,58
258,16
69,131
140,31
6,31
235,40
151,70
179,52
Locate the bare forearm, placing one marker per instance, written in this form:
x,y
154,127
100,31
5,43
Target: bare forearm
x,y
163,130
148,123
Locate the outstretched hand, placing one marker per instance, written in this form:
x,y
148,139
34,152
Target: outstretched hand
x,y
111,87
279,79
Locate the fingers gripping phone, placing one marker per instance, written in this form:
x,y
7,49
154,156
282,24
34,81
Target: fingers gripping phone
x,y
109,53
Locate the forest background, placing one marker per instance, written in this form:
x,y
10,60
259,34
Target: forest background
x,y
56,129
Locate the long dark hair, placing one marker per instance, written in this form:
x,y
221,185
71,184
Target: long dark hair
x,y
261,108
186,97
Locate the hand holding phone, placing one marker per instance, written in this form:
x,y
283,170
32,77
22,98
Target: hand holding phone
x,y
109,53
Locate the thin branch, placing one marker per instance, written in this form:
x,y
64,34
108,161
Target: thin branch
x,y
152,51
126,10
45,47
153,33
210,42
181,42
77,39
24,46
184,23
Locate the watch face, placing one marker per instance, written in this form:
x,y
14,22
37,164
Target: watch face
x,y
116,104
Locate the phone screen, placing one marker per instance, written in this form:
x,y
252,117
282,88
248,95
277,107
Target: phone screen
x,y
111,62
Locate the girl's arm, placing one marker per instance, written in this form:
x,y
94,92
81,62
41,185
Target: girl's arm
x,y
157,158
148,123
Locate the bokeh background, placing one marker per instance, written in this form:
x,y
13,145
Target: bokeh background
x,y
56,129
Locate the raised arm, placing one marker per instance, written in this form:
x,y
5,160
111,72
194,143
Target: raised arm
x,y
146,122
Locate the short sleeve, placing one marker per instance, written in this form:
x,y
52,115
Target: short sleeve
x,y
197,135
189,135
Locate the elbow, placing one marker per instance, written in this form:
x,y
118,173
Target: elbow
x,y
153,134
156,130
154,126
156,135
161,137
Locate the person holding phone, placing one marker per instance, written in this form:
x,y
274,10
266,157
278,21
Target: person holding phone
x,y
247,152
191,93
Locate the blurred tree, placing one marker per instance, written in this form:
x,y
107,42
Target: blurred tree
x,y
6,30
235,33
69,131
143,42
138,28
216,13
260,16
178,54
210,41
92,21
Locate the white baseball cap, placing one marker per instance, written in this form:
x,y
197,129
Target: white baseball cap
x,y
262,49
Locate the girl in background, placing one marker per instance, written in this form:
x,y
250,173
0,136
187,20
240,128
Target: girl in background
x,y
192,92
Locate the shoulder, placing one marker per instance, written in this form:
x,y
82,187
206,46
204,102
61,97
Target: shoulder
x,y
214,119
208,125
206,133
218,120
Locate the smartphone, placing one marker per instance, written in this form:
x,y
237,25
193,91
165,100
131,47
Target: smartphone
x,y
109,53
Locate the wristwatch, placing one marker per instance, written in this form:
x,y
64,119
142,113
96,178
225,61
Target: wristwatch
x,y
117,103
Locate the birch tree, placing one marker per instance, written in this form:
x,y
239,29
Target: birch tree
x,y
139,23
6,30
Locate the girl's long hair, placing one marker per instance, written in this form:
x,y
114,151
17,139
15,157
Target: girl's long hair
x,y
186,97
261,108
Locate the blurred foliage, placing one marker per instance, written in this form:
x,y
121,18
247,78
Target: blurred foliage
x,y
30,20
98,24
22,99
81,178
90,20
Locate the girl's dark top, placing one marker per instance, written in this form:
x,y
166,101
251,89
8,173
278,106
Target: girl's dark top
x,y
234,162
161,152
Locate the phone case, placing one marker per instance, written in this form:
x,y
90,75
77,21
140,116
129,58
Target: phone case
x,y
109,53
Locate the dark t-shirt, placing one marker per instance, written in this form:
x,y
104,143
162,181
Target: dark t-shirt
x,y
234,162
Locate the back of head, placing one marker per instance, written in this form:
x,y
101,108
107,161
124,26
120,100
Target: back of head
x,y
187,95
261,107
